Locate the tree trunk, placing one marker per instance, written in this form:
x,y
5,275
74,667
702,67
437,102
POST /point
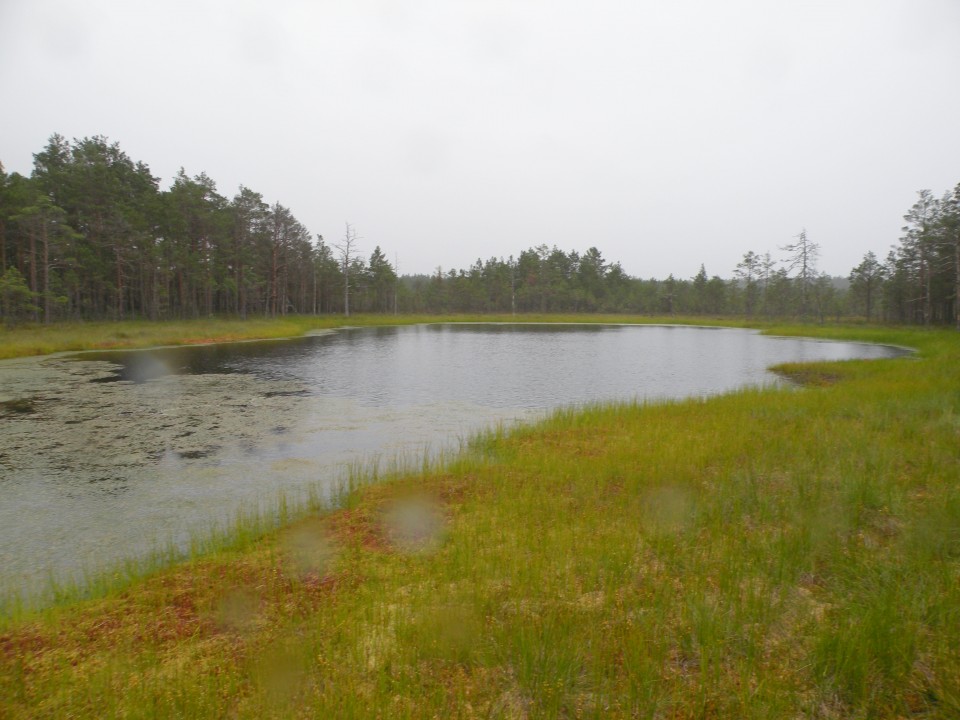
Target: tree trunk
x,y
241,292
956,282
346,286
119,284
272,311
45,269
33,265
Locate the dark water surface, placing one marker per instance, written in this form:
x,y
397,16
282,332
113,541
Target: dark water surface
x,y
207,430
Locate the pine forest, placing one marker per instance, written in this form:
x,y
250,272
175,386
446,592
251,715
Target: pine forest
x,y
91,235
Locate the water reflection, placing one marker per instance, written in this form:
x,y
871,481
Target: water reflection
x,y
520,366
117,458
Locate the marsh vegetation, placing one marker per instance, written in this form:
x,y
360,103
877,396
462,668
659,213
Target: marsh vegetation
x,y
765,553
126,451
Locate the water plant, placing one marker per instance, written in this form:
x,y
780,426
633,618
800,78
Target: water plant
x,y
17,405
767,553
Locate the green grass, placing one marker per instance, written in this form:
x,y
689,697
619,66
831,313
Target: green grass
x,y
26,340
767,553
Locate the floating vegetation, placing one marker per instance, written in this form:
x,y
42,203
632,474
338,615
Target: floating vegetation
x,y
18,405
196,454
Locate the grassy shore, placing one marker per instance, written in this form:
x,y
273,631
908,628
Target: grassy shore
x,y
26,340
762,554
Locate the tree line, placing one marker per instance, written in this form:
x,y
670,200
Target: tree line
x,y
90,234
920,280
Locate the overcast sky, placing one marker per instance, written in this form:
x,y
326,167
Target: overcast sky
x,y
667,134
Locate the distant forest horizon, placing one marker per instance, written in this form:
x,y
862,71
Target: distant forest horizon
x,y
90,235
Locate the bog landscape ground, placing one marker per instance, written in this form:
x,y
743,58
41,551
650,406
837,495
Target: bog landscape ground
x,y
788,552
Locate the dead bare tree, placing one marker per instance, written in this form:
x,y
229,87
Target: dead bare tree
x,y
348,250
802,259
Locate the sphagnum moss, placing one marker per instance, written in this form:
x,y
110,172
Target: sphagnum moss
x,y
768,553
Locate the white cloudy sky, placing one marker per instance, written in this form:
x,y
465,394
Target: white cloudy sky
x,y
667,134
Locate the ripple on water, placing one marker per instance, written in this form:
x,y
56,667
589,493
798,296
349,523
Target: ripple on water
x,y
110,456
